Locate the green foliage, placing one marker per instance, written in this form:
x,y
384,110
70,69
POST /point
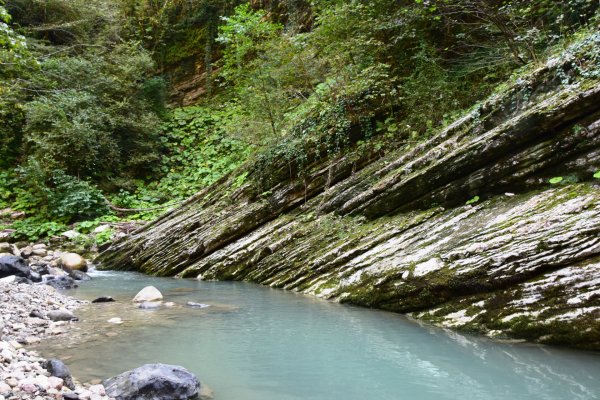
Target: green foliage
x,y
199,151
597,175
55,195
71,199
556,180
245,35
297,83
103,237
87,226
33,229
97,116
7,183
13,47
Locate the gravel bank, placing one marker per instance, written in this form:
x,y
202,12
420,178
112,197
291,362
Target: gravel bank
x,y
30,313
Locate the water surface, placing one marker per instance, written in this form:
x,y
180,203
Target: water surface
x,y
257,343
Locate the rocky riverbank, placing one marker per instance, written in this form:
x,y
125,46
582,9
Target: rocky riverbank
x,y
32,309
30,313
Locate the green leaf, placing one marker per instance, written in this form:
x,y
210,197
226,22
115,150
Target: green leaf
x,y
556,180
597,175
473,200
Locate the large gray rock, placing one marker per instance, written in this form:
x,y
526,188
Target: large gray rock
x,y
154,382
13,265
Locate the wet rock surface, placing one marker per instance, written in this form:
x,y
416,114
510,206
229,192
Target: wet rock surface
x,y
154,382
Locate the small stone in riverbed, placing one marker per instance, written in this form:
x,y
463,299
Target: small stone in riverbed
x,y
149,293
70,396
60,282
32,340
39,252
196,305
103,299
115,320
55,382
150,305
12,382
97,389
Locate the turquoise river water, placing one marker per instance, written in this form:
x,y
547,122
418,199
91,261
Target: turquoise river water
x,y
257,343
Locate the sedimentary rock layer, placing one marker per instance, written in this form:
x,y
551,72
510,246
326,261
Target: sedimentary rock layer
x,y
522,259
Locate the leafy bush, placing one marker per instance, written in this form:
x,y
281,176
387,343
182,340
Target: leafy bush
x,y
56,196
33,229
72,199
199,150
97,116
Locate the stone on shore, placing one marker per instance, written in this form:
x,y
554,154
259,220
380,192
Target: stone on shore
x,y
58,369
59,282
73,261
148,294
153,382
13,265
61,315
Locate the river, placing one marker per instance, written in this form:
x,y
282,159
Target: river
x,y
257,343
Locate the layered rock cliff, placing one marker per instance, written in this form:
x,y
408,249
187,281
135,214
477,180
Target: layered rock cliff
x,y
491,226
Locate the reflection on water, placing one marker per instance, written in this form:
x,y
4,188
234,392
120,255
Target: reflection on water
x,y
256,343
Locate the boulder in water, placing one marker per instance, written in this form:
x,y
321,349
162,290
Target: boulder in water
x,y
79,275
154,382
147,294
